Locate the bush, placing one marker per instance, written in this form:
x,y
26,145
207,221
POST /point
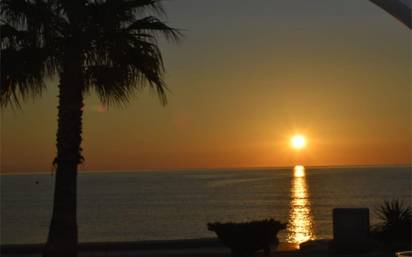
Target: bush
x,y
395,225
244,239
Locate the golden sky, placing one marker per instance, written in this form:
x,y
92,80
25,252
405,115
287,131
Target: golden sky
x,y
244,79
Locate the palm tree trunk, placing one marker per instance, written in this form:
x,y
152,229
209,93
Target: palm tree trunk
x,y
63,238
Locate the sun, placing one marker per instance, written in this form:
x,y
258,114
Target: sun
x,y
298,142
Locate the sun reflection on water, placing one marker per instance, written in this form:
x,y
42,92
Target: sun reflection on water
x,y
300,225
299,171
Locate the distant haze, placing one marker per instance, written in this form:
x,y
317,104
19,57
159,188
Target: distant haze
x,y
246,77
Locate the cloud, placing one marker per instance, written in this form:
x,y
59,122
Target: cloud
x,y
99,108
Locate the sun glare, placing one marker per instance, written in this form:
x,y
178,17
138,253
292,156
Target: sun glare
x,y
299,171
298,142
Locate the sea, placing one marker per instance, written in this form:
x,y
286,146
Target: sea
x,y
163,205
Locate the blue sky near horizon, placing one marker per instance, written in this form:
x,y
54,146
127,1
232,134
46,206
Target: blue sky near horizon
x,y
247,75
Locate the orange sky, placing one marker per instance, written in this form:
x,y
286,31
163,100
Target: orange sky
x,y
245,78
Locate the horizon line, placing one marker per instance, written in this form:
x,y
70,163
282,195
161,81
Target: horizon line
x,y
213,168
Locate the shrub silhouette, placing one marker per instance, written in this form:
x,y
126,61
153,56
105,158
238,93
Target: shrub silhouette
x,y
244,239
395,223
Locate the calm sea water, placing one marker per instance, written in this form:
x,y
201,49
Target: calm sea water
x,y
151,205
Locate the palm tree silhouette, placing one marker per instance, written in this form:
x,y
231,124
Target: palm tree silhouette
x,y
107,45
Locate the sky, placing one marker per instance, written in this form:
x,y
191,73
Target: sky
x,y
245,78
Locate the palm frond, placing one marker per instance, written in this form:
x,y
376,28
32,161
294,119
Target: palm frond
x,y
40,18
139,6
22,73
15,12
126,69
115,12
31,40
123,55
118,39
155,27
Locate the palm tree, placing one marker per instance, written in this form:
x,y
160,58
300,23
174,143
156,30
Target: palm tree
x,y
106,45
